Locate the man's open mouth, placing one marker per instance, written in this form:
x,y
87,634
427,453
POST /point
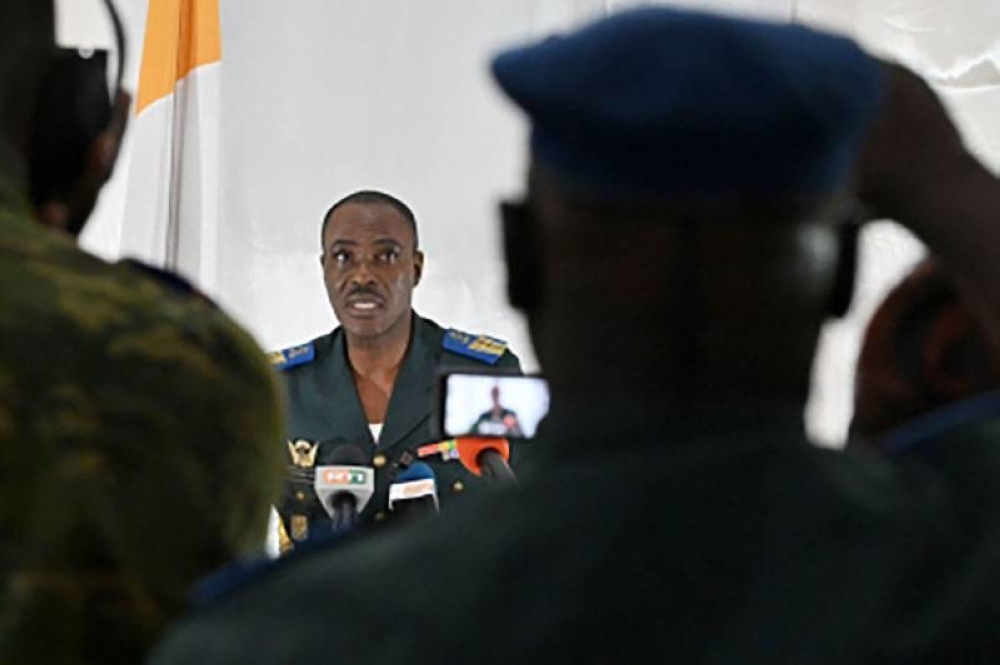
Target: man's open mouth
x,y
364,304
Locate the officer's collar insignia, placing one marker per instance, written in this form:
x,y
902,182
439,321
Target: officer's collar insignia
x,y
480,347
293,357
303,453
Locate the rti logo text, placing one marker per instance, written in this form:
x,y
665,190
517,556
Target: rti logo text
x,y
344,477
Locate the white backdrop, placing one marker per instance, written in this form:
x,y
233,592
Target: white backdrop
x,y
320,98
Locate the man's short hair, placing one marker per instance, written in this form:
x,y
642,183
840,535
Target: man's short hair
x,y
371,197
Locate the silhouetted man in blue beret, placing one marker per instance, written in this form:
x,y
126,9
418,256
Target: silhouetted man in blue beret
x,y
676,255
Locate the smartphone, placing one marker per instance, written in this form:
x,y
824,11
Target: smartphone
x,y
490,405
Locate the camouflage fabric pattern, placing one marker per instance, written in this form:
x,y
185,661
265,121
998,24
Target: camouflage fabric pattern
x,y
137,448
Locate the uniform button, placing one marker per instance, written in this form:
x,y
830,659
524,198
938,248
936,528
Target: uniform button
x,y
379,461
458,486
301,496
379,516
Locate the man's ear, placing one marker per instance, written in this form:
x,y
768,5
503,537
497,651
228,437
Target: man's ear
x,y
523,255
418,266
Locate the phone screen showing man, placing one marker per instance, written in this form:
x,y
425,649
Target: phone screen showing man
x,y
494,406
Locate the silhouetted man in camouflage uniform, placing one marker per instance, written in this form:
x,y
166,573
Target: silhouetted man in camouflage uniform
x,y
137,422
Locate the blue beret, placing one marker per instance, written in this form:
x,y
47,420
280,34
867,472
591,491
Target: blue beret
x,y
664,102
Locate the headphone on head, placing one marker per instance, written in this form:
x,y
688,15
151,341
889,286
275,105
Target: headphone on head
x,y
75,105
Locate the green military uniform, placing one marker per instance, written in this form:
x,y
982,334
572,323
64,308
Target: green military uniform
x,y
325,411
137,428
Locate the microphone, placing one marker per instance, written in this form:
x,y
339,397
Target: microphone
x,y
414,494
486,457
345,486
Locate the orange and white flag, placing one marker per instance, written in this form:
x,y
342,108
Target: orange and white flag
x,y
172,202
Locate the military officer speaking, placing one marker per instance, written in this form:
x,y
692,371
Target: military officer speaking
x,y
370,382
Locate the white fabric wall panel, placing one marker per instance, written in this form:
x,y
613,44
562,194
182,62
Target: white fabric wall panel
x,y
320,98
776,10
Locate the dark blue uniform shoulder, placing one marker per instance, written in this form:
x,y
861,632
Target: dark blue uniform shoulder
x,y
485,349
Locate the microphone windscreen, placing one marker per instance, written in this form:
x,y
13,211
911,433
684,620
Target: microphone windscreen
x,y
470,448
415,491
347,454
416,471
